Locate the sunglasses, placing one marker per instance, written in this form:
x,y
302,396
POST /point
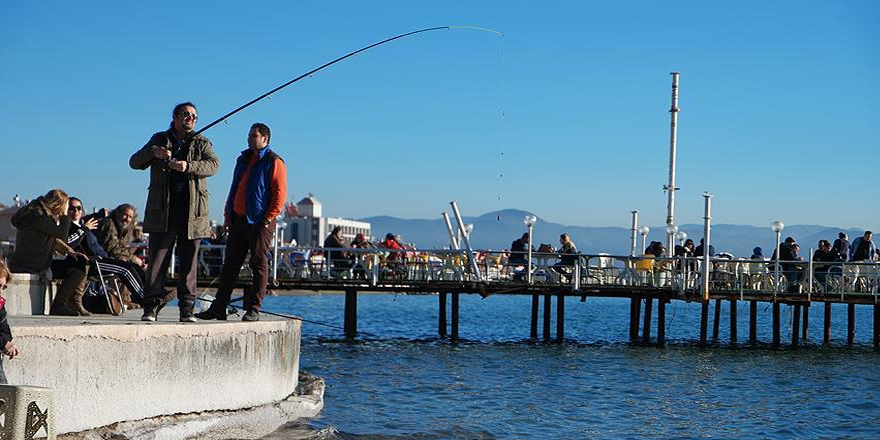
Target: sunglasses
x,y
186,115
75,208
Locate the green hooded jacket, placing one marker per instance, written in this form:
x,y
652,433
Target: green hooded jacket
x,y
201,164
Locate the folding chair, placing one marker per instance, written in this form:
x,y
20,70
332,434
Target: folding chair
x,y
109,295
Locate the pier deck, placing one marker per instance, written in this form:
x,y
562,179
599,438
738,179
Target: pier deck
x,y
644,280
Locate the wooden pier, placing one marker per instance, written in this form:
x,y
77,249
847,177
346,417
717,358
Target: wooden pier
x,y
599,276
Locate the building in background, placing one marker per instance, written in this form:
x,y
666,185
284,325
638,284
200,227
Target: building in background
x,y
307,225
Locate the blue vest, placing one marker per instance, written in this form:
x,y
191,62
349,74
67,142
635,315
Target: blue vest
x,y
258,192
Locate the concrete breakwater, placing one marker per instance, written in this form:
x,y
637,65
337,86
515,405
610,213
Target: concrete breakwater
x,y
122,376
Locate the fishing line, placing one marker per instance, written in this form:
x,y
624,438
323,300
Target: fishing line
x,y
309,73
282,315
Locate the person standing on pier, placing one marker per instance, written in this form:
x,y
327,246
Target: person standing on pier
x,y
256,197
862,248
841,245
177,206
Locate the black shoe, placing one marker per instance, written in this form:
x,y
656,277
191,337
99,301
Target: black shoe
x,y
152,307
251,315
186,315
218,313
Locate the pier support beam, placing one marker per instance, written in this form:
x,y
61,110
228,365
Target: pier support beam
x,y
715,321
560,317
776,325
795,325
661,321
547,305
455,316
646,326
850,324
753,322
441,317
635,308
533,329
876,326
733,322
351,310
826,337
704,321
805,332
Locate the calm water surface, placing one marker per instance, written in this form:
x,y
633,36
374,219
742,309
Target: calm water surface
x,y
399,381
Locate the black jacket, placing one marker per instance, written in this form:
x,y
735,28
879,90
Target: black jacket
x,y
5,331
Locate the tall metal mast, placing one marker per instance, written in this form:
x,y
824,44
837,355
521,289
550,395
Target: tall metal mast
x,y
671,188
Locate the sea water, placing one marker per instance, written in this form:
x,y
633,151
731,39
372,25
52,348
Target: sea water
x,y
399,380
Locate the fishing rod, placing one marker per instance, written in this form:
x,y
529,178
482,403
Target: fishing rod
x,y
387,40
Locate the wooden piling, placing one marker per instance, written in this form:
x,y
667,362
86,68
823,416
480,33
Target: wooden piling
x,y
350,319
776,325
661,321
795,325
733,321
876,326
805,332
753,322
704,321
850,324
455,316
717,318
826,338
635,308
560,317
547,306
441,318
646,326
533,330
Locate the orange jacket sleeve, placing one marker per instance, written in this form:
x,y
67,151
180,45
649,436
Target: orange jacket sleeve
x,y
278,190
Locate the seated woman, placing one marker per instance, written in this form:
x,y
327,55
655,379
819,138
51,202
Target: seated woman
x,y
81,238
568,255
336,258
41,232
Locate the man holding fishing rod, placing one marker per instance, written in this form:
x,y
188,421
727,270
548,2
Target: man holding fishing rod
x,y
256,197
180,161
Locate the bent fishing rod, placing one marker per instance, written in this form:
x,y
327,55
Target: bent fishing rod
x,y
387,40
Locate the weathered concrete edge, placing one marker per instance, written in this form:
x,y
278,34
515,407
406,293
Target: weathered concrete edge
x,y
109,370
247,423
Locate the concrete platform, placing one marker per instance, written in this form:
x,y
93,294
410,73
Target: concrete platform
x,y
106,370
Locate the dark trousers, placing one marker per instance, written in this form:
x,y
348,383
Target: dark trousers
x,y
161,246
242,238
129,273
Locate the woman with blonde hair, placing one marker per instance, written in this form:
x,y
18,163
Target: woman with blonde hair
x,y
568,256
41,232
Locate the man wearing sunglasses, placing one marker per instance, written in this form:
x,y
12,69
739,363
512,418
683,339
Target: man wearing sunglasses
x,y
177,206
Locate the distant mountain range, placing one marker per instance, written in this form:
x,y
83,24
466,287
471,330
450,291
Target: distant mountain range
x,y
497,229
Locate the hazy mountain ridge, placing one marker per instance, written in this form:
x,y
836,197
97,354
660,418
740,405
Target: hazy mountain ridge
x,y
497,229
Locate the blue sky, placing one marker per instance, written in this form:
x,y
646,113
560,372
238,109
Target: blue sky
x,y
565,116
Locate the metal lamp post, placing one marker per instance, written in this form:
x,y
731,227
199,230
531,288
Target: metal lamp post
x,y
671,230
644,229
530,221
777,227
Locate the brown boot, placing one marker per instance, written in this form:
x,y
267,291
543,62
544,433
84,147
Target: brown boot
x,y
59,303
75,283
75,303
